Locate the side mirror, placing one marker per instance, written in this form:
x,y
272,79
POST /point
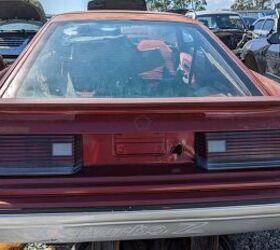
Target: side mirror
x,y
2,64
251,27
274,38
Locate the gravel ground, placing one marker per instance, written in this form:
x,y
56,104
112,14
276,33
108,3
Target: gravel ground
x,y
35,246
267,240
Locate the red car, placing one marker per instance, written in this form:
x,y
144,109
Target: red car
x,y
135,125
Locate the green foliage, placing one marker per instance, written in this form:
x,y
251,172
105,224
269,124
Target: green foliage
x,y
163,5
251,4
242,5
199,5
263,4
160,5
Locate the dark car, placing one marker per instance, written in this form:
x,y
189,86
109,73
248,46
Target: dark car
x,y
117,5
178,11
263,55
228,26
20,20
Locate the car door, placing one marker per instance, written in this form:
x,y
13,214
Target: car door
x,y
273,60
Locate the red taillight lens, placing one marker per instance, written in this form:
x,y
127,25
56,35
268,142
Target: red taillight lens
x,y
238,150
39,154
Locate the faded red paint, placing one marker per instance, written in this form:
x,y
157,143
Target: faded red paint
x,y
113,178
136,149
123,15
127,142
272,86
138,186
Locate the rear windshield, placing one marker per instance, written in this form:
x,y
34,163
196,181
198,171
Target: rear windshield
x,y
131,59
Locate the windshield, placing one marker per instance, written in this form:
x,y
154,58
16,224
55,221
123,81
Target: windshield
x,y
19,26
249,21
126,59
222,21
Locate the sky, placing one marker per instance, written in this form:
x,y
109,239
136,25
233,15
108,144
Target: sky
x,y
56,6
219,4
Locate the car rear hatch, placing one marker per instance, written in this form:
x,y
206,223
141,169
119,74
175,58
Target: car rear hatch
x,y
96,154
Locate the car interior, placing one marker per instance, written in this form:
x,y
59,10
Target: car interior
x,y
125,61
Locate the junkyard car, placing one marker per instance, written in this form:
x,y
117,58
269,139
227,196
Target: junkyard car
x,y
264,27
117,5
228,26
130,125
263,55
19,22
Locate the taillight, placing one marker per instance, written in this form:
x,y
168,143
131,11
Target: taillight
x,y
39,154
238,150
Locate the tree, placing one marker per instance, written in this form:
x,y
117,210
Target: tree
x,y
198,5
181,4
251,4
243,5
163,5
160,5
263,4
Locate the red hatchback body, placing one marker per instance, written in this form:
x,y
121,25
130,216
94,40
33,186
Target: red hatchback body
x,y
130,125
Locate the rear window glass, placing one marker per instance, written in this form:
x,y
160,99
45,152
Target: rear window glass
x,y
132,59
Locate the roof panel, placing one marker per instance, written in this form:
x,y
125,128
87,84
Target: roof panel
x,y
123,15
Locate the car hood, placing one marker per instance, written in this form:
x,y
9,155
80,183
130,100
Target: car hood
x,y
29,10
256,44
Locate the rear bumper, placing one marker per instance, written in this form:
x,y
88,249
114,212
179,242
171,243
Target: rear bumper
x,y
146,224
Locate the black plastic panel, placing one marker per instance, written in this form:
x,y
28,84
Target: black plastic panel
x,y
39,155
237,150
